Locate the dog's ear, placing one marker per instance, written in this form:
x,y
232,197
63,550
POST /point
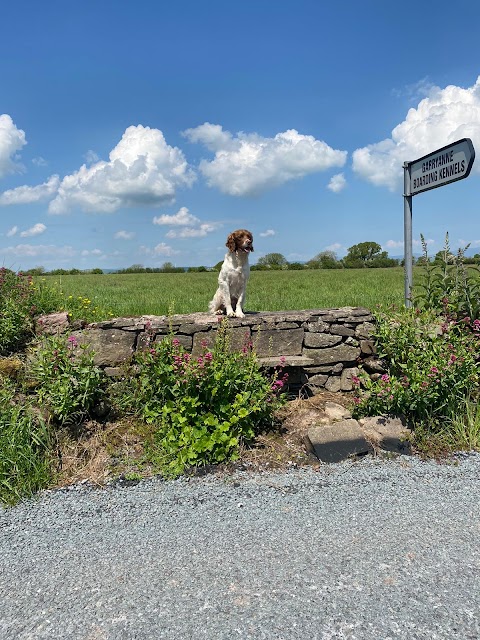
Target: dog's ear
x,y
231,243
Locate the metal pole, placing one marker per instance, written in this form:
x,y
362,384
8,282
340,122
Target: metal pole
x,y
407,227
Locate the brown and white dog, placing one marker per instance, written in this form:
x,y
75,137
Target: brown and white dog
x,y
232,279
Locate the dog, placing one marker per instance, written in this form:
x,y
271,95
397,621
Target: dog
x,y
232,279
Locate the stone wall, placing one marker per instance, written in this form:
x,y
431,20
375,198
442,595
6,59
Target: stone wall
x,y
321,348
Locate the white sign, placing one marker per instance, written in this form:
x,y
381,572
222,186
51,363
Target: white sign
x,y
448,164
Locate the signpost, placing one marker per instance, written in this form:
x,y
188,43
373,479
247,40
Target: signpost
x,y
448,164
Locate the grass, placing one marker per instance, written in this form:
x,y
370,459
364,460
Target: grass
x,y
156,293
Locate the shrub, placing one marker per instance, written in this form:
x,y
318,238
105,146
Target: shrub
x,y
66,379
431,364
25,444
204,408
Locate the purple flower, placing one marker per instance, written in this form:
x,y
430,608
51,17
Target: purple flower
x,y
385,378
73,341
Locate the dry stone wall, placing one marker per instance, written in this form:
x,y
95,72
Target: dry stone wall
x,y
321,348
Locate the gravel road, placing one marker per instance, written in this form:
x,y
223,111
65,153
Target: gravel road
x,y
359,550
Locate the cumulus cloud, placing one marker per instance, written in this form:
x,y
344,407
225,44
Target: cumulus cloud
x,y
11,232
249,164
337,183
336,246
142,170
267,233
39,162
191,232
39,251
161,249
182,218
394,244
27,195
36,230
124,235
443,117
92,252
11,142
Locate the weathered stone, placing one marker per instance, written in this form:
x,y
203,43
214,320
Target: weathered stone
x,y
341,330
111,347
338,368
287,325
185,341
318,380
367,347
365,330
346,379
317,327
336,442
336,412
239,337
325,369
374,365
52,324
288,361
333,384
284,343
391,434
340,353
191,328
320,340
10,367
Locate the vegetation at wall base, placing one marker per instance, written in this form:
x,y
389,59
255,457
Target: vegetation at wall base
x,y
204,408
432,354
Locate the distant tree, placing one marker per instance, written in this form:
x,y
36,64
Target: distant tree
x,y
273,260
295,266
36,271
97,271
324,260
218,266
367,254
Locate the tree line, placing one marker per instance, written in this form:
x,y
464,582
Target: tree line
x,y
364,255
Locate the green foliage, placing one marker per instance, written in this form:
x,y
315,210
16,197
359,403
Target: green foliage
x,y
25,444
67,382
204,408
272,260
447,285
431,365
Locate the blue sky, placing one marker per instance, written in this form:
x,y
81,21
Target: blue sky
x,y
144,132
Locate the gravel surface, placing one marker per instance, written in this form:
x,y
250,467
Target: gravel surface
x,y
363,550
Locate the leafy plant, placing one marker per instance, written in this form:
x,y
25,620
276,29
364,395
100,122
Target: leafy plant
x,y
431,363
25,445
447,285
66,379
203,407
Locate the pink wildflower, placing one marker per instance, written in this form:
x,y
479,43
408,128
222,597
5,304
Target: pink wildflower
x,y
175,342
385,378
73,341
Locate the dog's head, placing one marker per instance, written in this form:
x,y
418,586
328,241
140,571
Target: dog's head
x,y
240,240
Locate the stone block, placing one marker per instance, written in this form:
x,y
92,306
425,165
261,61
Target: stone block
x,y
365,330
368,347
338,441
341,330
238,338
111,346
391,434
340,353
333,384
346,379
281,342
320,340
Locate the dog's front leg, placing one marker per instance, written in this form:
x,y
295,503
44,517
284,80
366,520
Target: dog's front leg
x,y
240,303
227,300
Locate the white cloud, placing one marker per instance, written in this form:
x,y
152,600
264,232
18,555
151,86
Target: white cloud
x,y
27,195
11,142
394,244
161,249
91,157
39,162
249,164
337,183
142,170
92,252
182,218
443,117
36,230
36,251
124,235
336,246
191,232
11,232
267,233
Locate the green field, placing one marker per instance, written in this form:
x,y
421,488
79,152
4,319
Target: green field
x,y
156,293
